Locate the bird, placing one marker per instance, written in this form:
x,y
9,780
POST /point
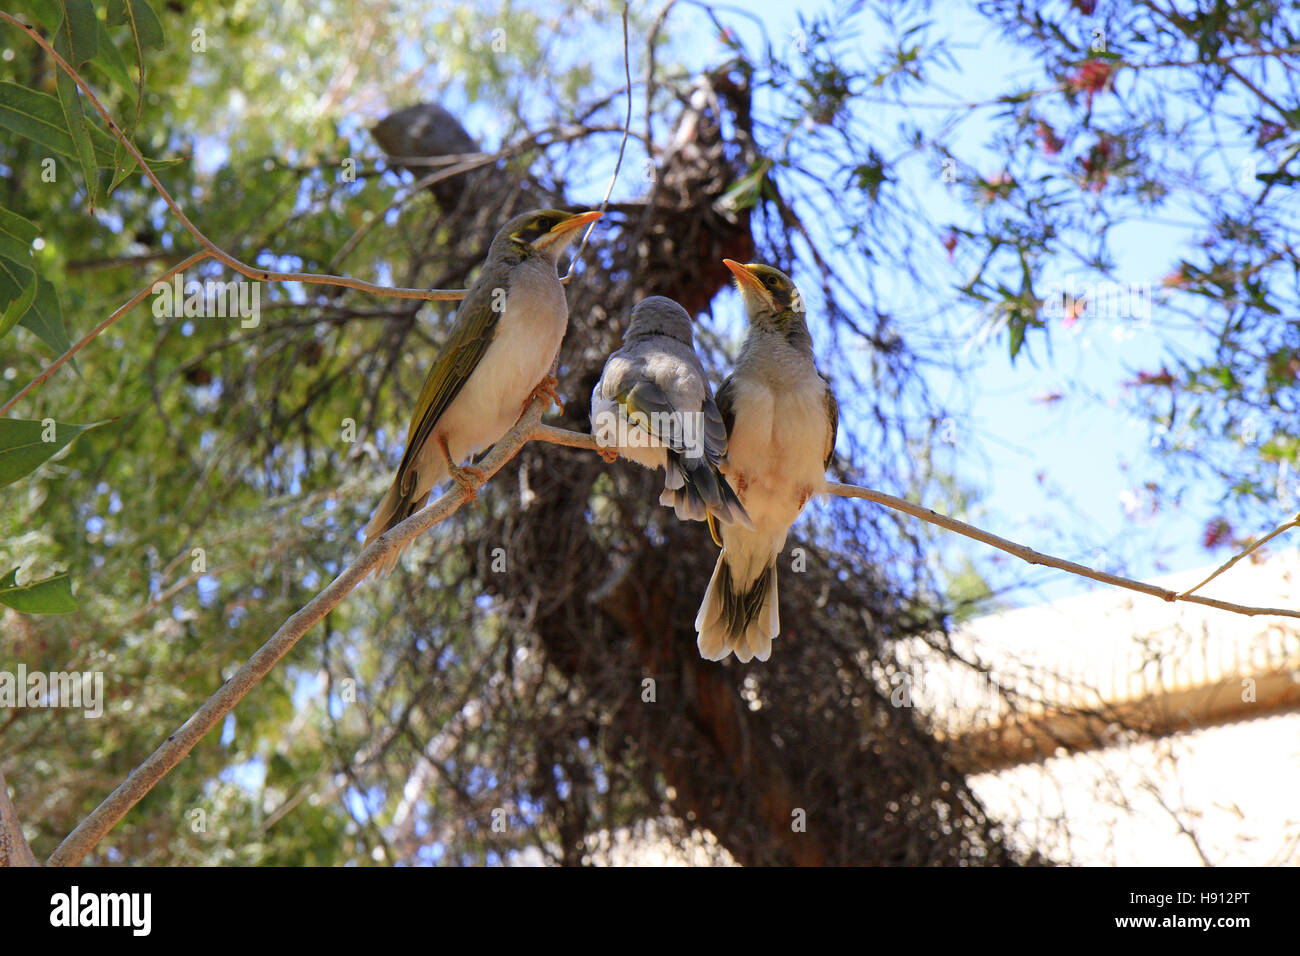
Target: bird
x,y
496,359
782,419
653,405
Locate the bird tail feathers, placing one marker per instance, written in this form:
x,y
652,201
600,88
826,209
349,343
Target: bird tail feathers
x,y
397,505
737,619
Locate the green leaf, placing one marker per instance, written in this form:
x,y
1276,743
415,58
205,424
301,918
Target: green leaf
x,y
16,236
35,115
51,596
16,279
24,296
34,12
40,118
1017,329
114,67
17,308
82,31
145,24
23,447
45,318
74,114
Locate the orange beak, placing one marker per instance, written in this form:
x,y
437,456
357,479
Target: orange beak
x,y
743,276
577,222
561,233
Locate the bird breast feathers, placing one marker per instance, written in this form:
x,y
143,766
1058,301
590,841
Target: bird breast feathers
x,y
779,438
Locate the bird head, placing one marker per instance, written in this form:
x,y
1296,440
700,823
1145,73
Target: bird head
x,y
770,298
659,315
542,232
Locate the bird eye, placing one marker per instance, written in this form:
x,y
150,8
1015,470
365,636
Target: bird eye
x,y
770,282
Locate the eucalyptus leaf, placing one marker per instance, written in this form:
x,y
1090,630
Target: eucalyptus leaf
x,y
26,445
50,596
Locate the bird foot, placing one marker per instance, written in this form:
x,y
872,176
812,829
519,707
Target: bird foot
x,y
546,387
470,479
609,454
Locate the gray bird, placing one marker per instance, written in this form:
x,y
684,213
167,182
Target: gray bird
x,y
781,422
498,355
653,405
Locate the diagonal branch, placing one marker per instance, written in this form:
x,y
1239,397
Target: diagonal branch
x,y
93,333
1037,557
14,850
103,818
1285,526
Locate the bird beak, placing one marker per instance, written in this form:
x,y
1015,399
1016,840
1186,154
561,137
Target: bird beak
x,y
562,232
746,281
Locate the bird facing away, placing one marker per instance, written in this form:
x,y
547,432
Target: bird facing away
x,y
497,357
781,420
654,406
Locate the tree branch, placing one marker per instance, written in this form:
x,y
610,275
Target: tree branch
x,y
1286,526
14,850
1037,557
93,333
103,818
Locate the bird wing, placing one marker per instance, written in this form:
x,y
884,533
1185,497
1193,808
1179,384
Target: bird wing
x,y
726,403
715,431
725,406
629,379
833,416
459,357
656,413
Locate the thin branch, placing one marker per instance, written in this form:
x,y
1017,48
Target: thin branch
x,y
618,164
14,850
1287,526
1037,557
93,333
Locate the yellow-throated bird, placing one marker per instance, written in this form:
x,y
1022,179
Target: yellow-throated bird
x,y
654,406
781,419
498,355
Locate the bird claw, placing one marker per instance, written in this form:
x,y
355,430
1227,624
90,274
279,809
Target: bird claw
x,y
469,479
546,387
609,454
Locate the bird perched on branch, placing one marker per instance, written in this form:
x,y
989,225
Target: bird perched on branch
x,y
781,419
497,358
653,405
